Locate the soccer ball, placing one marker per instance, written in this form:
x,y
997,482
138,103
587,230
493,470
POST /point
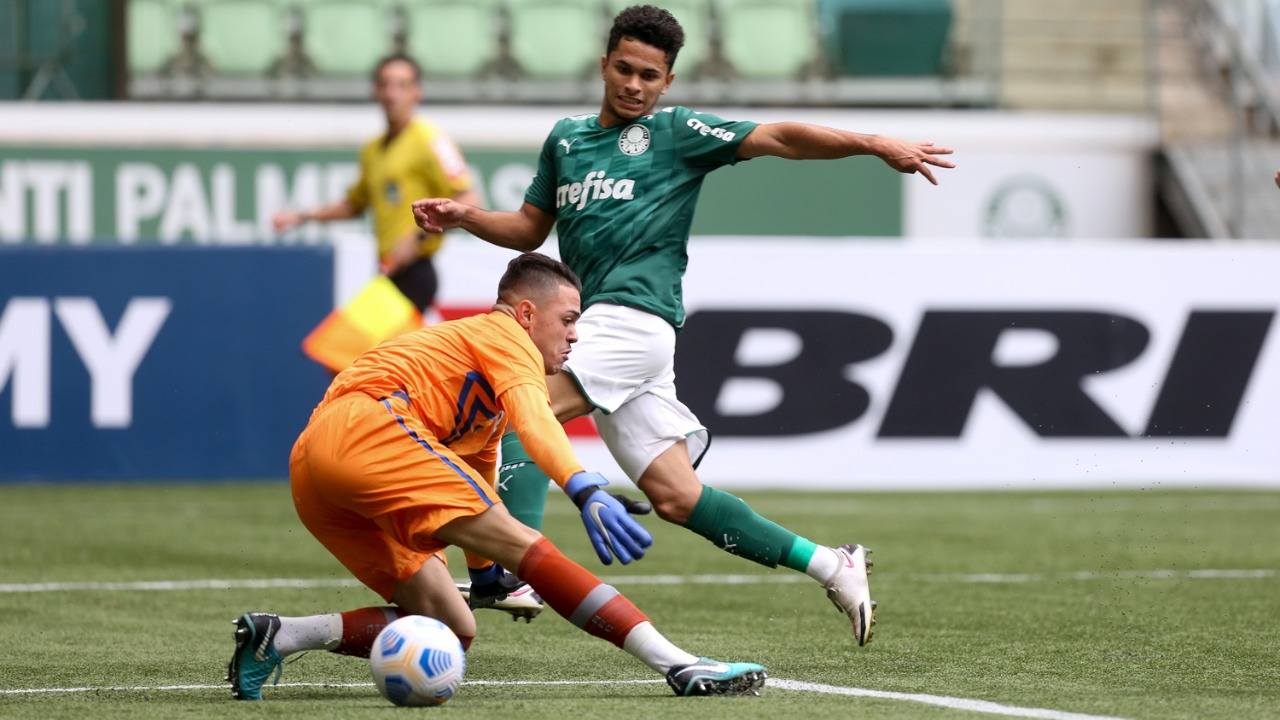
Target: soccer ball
x,y
417,661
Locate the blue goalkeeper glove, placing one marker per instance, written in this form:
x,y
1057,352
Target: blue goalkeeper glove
x,y
612,531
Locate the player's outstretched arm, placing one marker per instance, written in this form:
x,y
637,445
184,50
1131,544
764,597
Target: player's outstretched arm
x,y
523,230
612,531
802,141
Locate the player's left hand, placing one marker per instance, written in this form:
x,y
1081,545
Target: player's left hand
x,y
613,533
914,157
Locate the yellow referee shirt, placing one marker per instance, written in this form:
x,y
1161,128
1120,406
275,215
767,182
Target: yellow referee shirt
x,y
419,162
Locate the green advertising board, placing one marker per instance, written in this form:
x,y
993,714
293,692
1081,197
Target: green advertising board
x,y
227,195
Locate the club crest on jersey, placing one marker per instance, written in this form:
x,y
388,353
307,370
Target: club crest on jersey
x,y
634,140
595,186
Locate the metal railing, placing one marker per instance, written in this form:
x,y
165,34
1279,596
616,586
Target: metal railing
x,y
1226,174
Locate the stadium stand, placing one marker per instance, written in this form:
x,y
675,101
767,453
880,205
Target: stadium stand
x,y
346,37
1219,100
242,37
769,39
555,39
47,52
454,38
155,32
1089,55
748,51
893,38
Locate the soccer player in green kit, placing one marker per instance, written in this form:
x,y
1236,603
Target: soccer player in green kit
x,y
620,188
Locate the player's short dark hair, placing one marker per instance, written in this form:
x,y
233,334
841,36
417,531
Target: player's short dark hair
x,y
533,273
651,26
397,57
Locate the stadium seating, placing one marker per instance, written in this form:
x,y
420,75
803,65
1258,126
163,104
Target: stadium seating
x,y
453,38
768,39
544,50
695,18
242,37
556,39
885,37
154,33
346,37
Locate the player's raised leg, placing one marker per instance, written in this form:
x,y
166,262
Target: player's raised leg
x,y
733,526
646,436
597,608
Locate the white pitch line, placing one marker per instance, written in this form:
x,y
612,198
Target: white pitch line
x,y
225,686
744,579
953,703
210,584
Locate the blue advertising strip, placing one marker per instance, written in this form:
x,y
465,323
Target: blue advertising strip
x,y
123,363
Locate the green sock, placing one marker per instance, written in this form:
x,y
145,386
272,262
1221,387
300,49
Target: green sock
x,y
734,527
521,484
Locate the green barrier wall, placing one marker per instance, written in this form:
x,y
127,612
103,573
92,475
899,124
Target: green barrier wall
x,y
227,195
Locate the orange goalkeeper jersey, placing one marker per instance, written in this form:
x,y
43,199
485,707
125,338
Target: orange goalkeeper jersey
x,y
466,380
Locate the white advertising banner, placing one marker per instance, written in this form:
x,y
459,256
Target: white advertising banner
x,y
1041,195
873,365
1023,175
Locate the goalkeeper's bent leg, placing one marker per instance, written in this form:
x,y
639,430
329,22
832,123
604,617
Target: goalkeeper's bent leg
x,y
599,609
348,633
521,484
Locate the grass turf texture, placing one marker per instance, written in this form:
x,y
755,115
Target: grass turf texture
x,y
1111,645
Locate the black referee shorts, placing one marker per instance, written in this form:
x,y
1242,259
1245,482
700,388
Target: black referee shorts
x,y
418,282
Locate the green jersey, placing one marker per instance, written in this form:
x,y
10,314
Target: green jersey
x,y
624,198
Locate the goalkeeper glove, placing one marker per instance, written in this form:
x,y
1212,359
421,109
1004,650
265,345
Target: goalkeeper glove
x,y
612,531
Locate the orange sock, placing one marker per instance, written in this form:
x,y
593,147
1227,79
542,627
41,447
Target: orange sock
x,y
360,627
577,595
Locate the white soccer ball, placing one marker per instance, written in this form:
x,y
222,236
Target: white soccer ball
x,y
417,660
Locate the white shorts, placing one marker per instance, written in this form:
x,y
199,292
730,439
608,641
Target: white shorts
x,y
624,363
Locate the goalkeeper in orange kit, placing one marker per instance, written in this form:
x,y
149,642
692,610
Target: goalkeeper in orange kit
x,y
398,461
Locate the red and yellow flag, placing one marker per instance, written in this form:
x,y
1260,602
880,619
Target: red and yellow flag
x,y
379,312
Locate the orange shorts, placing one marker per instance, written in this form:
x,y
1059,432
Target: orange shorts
x,y
373,485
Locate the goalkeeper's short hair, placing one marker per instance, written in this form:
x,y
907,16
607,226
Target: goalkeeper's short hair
x,y
533,274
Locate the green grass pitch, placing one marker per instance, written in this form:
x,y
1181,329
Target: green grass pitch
x,y
1033,600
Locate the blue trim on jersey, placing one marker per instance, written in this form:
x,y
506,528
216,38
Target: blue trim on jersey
x,y
473,379
478,406
429,449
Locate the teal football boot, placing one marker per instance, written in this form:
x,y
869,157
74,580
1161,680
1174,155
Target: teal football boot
x,y
255,658
712,677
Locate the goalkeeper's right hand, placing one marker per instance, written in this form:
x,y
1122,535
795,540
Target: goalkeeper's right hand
x,y
612,531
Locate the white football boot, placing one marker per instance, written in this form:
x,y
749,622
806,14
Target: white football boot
x,y
521,602
850,592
